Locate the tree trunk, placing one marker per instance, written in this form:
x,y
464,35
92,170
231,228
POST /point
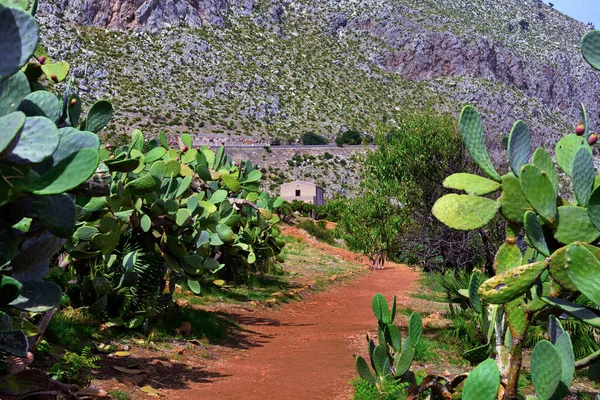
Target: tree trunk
x,y
516,359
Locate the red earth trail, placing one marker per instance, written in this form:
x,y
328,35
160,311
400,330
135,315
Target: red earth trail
x,y
302,350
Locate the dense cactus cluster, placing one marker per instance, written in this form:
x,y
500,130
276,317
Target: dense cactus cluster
x,y
45,155
127,219
561,232
195,208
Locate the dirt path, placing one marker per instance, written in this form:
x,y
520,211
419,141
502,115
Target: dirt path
x,y
302,350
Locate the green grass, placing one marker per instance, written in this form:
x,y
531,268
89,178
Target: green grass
x,y
118,395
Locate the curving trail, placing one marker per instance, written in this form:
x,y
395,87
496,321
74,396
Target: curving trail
x,y
303,350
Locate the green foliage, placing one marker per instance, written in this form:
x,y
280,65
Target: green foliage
x,y
388,390
169,215
313,139
317,230
75,368
349,137
402,180
523,285
45,159
390,359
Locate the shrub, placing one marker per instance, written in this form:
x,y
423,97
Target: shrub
x,y
317,230
312,139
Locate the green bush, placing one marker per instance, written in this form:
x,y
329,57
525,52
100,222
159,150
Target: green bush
x,y
350,137
75,368
312,139
317,230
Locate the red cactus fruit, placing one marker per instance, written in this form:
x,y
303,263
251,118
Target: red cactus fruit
x,y
54,77
579,129
73,102
107,146
184,149
42,60
592,139
176,158
112,156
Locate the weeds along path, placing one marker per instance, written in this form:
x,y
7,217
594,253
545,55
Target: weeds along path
x,y
303,350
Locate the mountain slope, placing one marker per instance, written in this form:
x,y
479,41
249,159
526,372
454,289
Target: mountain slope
x,y
280,68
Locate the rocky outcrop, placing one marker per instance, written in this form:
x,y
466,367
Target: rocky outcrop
x,y
150,15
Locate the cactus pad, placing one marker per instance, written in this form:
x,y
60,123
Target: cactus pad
x,y
483,382
18,40
380,309
557,270
566,148
546,369
11,124
66,175
565,349
474,185
57,213
478,354
99,116
37,297
511,284
574,225
364,371
41,104
539,191
583,268
508,256
533,230
471,131
404,361
543,161
513,203
72,142
464,212
12,92
594,207
590,48
39,138
415,329
583,176
58,69
589,315
519,147
586,125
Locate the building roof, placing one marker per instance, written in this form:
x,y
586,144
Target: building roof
x,y
300,181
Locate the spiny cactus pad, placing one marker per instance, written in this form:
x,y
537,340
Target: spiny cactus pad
x,y
507,257
474,185
513,202
11,124
66,175
39,139
471,132
519,147
583,268
511,284
533,230
364,371
583,176
546,369
12,92
589,315
483,382
566,148
98,116
557,270
565,349
574,225
37,297
539,191
18,40
543,161
464,212
594,207
41,103
590,48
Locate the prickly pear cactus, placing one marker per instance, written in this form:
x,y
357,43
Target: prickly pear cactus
x,y
559,229
42,164
390,359
200,212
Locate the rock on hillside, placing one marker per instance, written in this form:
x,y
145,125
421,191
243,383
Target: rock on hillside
x,y
280,68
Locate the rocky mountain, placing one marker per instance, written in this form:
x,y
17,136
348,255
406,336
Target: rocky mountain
x,y
265,69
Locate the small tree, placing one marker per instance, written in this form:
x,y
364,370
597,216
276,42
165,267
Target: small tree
x,y
312,139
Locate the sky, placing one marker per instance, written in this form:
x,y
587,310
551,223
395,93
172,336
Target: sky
x,y
583,10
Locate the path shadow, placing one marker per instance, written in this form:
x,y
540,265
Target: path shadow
x,y
158,372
